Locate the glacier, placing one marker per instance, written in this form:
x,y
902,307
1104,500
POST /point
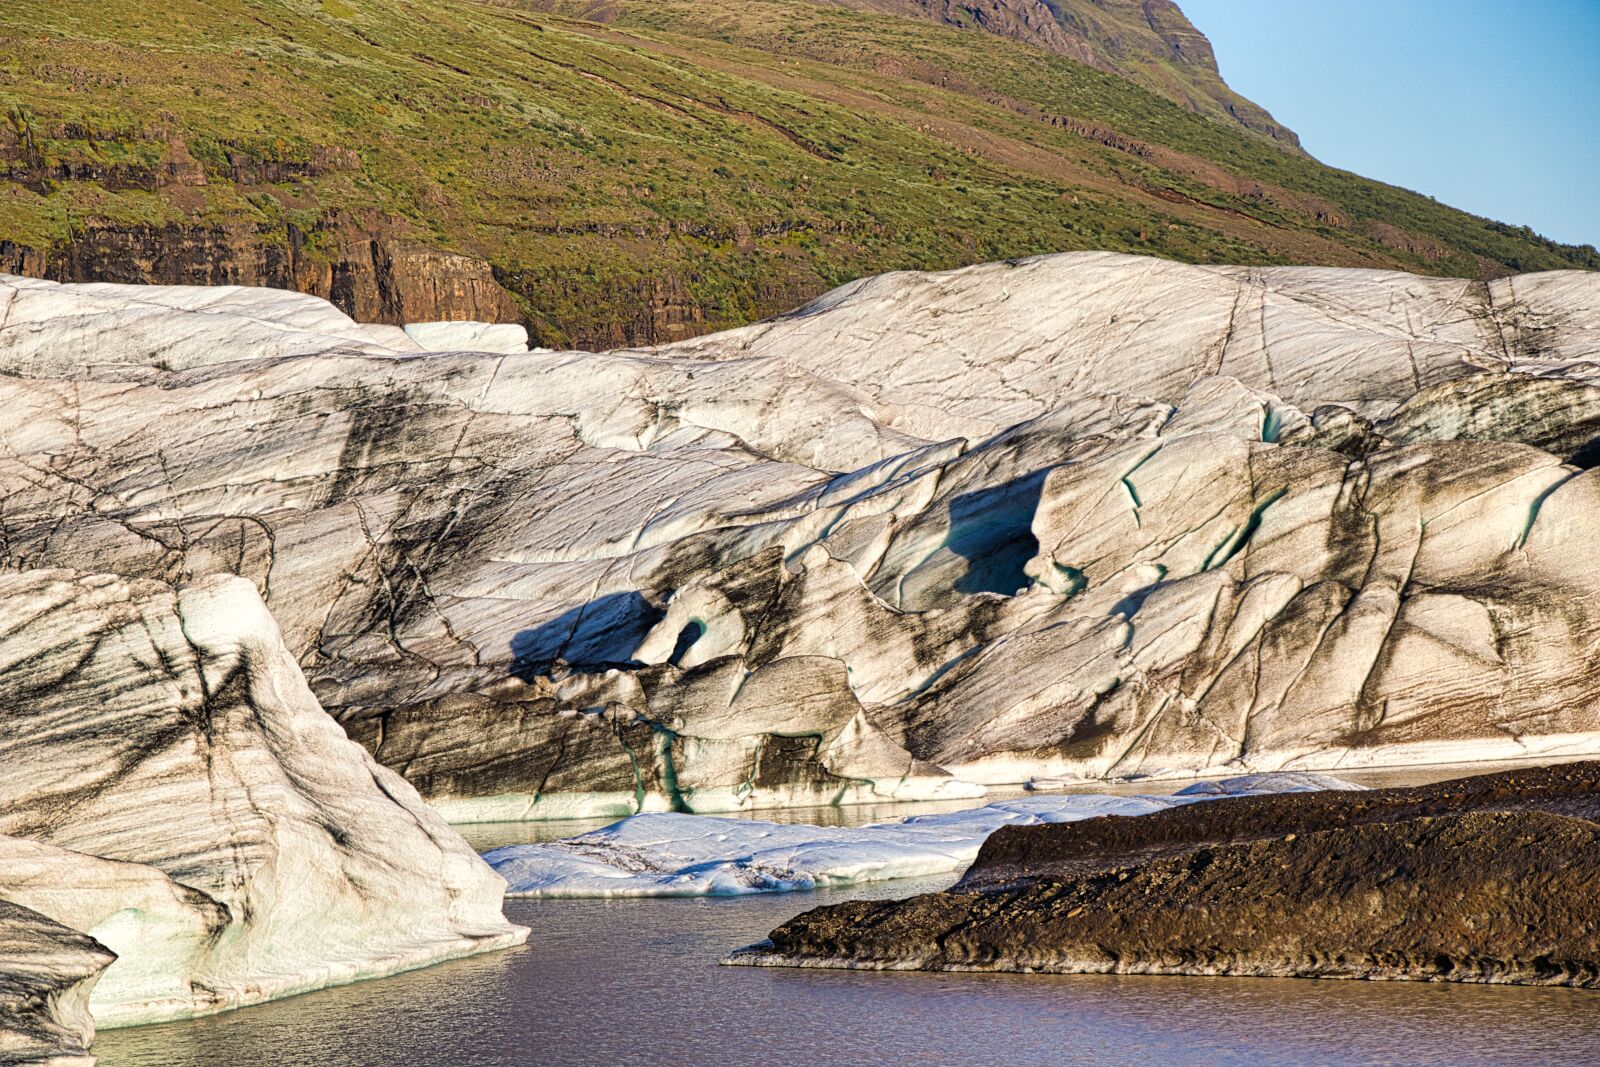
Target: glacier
x,y
1075,516
671,854
467,336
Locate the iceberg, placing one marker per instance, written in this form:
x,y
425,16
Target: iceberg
x,y
668,854
171,790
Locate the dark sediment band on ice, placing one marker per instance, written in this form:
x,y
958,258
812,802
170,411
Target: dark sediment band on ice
x,y
1486,879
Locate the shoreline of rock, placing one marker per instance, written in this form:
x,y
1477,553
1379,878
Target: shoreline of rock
x,y
1483,880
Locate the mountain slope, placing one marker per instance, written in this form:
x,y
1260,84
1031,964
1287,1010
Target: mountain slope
x,y
1149,42
692,164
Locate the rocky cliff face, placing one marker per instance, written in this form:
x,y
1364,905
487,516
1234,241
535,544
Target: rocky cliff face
x,y
368,274
1084,514
359,263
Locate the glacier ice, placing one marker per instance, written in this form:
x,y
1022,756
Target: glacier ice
x,y
1074,516
467,336
172,790
673,854
46,973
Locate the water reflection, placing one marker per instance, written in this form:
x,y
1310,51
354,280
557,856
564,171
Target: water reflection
x,y
635,982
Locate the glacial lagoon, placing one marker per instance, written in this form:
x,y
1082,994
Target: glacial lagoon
x,y
638,982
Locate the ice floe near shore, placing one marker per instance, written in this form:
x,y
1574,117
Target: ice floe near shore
x,y
673,854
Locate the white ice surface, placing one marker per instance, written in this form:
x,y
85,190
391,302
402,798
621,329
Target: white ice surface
x,y
671,854
466,336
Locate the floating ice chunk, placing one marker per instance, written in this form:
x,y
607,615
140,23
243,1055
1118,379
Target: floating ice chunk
x,y
670,854
1276,782
46,973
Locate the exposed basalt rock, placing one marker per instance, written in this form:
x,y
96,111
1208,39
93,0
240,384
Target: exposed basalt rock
x,y
1482,880
169,786
363,270
997,523
46,973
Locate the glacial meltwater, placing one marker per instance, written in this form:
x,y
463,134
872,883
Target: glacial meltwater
x,y
636,982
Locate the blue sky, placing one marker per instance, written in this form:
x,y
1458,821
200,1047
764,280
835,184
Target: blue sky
x,y
1487,105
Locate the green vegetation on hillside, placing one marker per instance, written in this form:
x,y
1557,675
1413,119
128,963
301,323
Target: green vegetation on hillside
x,y
1149,42
691,165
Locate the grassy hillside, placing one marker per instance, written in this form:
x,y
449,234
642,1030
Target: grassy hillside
x,y
689,165
1149,42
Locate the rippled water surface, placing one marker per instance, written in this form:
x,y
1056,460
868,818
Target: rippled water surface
x,y
636,982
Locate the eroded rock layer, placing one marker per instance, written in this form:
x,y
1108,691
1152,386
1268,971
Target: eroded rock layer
x,y
1086,515
1480,880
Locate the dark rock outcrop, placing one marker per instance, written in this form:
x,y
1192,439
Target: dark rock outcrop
x,y
1098,845
1484,879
